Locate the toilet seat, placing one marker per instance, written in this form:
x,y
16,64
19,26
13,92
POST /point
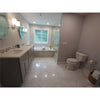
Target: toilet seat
x,y
73,60
72,64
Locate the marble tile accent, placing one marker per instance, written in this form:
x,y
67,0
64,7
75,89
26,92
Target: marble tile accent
x,y
7,49
45,72
44,53
13,52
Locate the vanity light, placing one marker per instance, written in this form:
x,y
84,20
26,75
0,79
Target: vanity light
x,y
15,23
18,23
14,20
25,30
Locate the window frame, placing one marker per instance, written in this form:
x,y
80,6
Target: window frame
x,y
41,36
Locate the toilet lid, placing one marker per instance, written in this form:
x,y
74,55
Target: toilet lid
x,y
72,60
81,54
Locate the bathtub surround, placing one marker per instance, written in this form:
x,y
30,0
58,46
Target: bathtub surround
x,y
69,36
13,37
44,52
52,33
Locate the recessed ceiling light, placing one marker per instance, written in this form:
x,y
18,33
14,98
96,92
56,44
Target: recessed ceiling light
x,y
45,75
48,23
59,25
35,76
34,22
53,74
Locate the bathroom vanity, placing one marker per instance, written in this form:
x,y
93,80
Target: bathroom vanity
x,y
15,65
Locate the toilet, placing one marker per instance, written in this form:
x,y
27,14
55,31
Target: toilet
x,y
74,63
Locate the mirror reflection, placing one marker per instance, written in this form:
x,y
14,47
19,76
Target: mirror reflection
x,y
3,26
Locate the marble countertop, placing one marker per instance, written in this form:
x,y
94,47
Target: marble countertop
x,y
17,52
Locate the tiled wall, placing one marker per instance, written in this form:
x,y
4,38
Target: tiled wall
x,y
50,33
13,37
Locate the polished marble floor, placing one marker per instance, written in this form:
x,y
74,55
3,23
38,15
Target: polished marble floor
x,y
44,72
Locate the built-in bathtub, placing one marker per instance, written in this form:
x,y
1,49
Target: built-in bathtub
x,y
43,52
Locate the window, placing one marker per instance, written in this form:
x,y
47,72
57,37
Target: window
x,y
41,36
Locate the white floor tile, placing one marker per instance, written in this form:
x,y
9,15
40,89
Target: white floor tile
x,y
44,72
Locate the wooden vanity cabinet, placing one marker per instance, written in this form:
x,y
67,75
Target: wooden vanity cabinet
x,y
30,56
24,64
0,72
14,70
11,72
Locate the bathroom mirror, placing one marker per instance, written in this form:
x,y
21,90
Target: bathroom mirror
x,y
4,26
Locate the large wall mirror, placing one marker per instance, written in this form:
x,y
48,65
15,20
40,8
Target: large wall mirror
x,y
4,26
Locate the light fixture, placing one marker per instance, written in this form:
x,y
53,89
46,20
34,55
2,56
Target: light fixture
x,y
48,23
53,74
25,30
14,20
45,75
34,22
15,23
59,25
18,23
37,65
35,76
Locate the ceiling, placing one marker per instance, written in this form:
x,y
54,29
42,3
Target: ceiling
x,y
52,19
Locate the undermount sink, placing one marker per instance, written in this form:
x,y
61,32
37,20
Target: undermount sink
x,y
17,51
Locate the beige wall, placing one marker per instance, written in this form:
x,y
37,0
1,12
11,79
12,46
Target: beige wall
x,y
90,37
13,37
69,36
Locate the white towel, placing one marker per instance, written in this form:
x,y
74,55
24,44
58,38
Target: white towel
x,y
96,74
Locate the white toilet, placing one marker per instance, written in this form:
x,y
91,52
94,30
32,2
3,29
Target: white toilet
x,y
74,63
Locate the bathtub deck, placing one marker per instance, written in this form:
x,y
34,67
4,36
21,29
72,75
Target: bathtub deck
x,y
44,53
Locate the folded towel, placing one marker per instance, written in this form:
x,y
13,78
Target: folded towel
x,y
96,74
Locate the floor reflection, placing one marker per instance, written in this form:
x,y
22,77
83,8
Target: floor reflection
x,y
44,72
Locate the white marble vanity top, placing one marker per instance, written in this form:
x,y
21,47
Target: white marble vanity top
x,y
17,52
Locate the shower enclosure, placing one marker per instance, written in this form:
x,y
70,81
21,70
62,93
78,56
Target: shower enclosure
x,y
56,34
50,50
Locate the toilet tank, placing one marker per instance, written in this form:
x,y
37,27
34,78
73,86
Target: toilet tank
x,y
81,57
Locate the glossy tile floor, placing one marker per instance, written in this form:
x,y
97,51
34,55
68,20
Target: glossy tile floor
x,y
44,72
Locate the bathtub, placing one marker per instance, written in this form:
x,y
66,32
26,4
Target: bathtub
x,y
43,52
